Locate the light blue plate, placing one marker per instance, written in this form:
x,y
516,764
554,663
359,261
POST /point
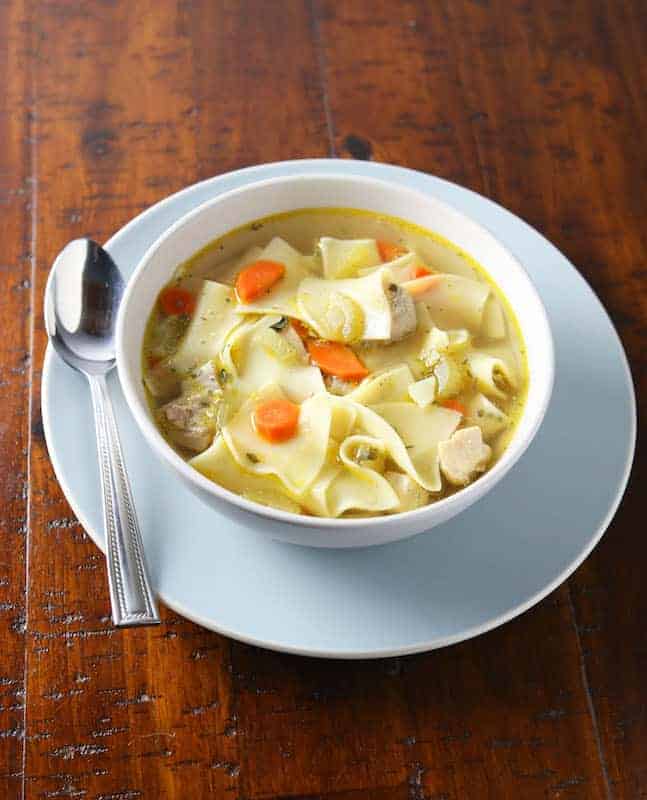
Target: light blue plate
x,y
477,571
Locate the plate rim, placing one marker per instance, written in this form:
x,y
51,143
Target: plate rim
x,y
347,654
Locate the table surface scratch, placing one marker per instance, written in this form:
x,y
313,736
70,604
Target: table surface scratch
x,y
107,106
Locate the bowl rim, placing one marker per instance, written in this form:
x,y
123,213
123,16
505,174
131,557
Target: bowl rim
x,y
447,506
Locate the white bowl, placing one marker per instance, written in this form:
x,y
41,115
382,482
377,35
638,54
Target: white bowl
x,y
232,209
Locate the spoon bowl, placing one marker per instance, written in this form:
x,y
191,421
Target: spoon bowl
x,y
82,299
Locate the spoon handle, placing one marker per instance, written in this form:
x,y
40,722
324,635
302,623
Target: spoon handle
x,y
131,595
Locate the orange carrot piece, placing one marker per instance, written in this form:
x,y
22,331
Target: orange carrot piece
x,y
276,420
421,286
455,405
388,251
301,329
175,300
334,358
258,278
420,271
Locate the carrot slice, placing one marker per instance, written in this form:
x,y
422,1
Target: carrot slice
x,y
257,279
420,271
388,251
455,405
334,358
276,420
175,300
302,330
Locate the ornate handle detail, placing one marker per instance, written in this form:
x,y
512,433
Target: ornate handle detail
x,y
131,595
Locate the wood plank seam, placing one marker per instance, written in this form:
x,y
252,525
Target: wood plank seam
x,y
313,12
589,698
32,138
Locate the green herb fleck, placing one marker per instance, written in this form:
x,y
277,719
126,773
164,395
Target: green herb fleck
x,y
253,458
279,324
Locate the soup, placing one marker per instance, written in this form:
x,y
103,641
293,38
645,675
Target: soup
x,y
335,362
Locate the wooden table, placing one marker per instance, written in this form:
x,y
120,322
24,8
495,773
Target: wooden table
x,y
108,106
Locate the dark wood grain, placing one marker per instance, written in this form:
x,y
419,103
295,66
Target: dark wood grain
x,y
16,236
107,107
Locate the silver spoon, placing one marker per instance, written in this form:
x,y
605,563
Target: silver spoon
x,y
82,297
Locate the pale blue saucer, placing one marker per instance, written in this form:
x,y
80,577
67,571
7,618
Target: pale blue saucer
x,y
482,568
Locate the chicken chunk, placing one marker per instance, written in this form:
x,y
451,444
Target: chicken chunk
x,y
403,312
463,455
192,419
161,381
